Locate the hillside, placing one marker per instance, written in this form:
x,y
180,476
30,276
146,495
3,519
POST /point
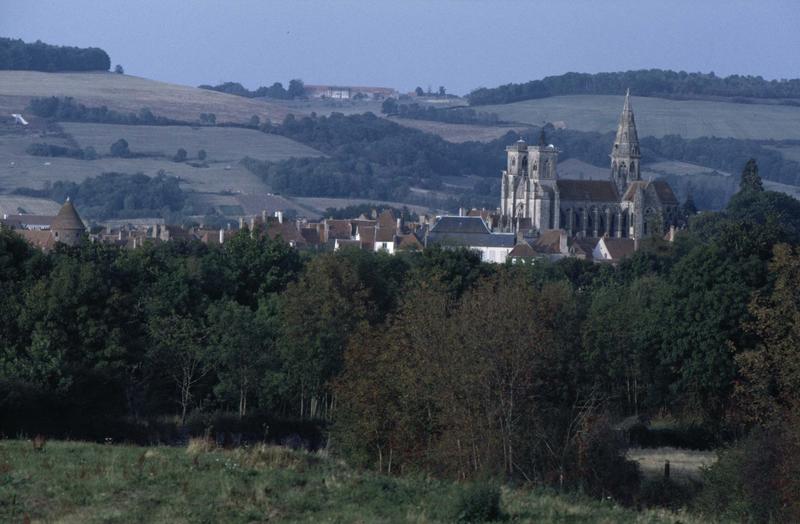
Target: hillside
x,y
658,116
79,482
130,94
219,182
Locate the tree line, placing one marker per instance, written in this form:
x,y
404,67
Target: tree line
x,y
644,82
428,362
453,115
118,195
38,56
296,89
66,109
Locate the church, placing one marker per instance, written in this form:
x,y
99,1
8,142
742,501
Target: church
x,y
534,199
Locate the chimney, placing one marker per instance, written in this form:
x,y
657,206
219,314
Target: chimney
x,y
155,230
119,234
279,214
264,216
399,225
221,236
461,211
562,242
241,222
252,223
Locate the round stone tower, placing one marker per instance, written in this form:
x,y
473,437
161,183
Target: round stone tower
x,y
67,226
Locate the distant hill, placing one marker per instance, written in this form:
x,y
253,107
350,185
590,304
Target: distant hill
x,y
658,116
130,94
644,82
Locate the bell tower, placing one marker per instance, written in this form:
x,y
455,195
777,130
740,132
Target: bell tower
x,y
626,156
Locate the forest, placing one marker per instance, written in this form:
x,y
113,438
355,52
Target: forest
x,y
371,157
118,195
38,56
643,82
430,362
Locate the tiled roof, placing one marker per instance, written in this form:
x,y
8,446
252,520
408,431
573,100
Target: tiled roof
x,y
587,190
367,236
522,250
409,241
384,234
549,241
339,229
619,248
38,238
67,218
387,219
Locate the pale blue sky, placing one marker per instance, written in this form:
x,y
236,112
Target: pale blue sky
x,y
459,44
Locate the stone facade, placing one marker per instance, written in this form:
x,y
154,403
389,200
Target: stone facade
x,y
534,199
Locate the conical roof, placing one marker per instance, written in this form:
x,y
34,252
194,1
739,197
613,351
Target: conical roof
x,y
67,218
626,142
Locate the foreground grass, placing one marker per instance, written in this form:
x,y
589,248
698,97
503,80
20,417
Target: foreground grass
x,y
80,482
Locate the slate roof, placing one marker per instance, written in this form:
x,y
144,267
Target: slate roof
x,y
664,192
452,224
587,190
21,221
467,232
67,218
583,246
631,191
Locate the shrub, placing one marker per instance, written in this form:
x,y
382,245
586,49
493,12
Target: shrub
x,y
602,466
746,483
479,502
666,493
180,155
120,148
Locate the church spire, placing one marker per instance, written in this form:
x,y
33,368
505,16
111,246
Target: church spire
x,y
625,156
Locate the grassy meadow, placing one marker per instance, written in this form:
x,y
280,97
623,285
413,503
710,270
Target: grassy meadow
x,y
130,94
82,482
222,144
658,116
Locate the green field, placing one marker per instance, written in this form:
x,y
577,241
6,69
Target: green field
x,y
130,94
657,116
77,482
225,147
222,144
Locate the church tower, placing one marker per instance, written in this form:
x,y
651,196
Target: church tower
x,y
626,157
